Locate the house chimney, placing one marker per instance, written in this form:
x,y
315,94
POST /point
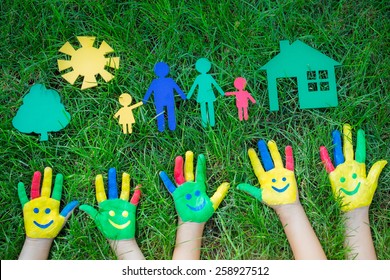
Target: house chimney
x,y
284,44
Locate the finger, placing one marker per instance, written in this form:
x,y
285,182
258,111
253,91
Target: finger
x,y
35,184
47,180
167,182
265,155
125,193
338,149
289,158
277,159
201,169
57,190
375,171
361,146
256,164
136,195
347,141
68,209
189,166
326,159
100,193
112,187
89,210
178,171
22,194
251,190
219,195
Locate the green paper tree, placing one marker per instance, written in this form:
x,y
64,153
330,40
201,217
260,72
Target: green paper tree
x,y
41,112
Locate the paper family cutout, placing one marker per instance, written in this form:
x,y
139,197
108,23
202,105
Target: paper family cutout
x,y
315,73
164,98
88,62
125,114
41,112
242,97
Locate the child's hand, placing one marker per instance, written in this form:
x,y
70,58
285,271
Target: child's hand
x,y
116,216
41,214
190,197
348,179
277,184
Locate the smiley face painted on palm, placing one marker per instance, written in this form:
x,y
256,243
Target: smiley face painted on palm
x,y
115,219
279,187
192,202
42,219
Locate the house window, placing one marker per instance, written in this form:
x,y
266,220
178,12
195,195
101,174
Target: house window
x,y
318,80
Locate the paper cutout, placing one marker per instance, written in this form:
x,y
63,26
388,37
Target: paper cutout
x,y
42,218
206,95
125,114
116,216
41,112
242,97
348,180
278,185
87,61
190,197
163,89
314,71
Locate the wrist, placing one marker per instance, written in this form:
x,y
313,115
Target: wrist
x,y
125,249
36,248
360,213
287,211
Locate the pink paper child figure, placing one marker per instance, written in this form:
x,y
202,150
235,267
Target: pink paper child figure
x,y
242,97
125,114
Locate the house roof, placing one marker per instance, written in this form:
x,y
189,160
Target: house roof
x,y
298,54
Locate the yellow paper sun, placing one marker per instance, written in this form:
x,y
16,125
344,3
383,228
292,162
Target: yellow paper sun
x,y
87,61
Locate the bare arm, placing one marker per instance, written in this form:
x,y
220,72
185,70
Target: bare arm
x,y
188,241
126,249
36,248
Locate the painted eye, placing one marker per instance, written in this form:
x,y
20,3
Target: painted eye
x,y
111,213
125,213
273,180
47,210
36,210
342,179
188,196
354,176
284,179
197,193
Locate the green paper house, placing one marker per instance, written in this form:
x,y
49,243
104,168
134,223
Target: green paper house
x,y
314,71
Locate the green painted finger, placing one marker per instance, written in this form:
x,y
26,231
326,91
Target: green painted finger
x,y
201,170
89,210
251,190
361,147
22,194
57,190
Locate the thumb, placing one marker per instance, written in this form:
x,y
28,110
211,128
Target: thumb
x,y
251,190
89,210
375,171
219,195
68,209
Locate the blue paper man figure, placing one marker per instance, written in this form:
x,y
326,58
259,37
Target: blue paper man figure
x,y
163,89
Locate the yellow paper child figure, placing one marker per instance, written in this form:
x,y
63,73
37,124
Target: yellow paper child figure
x,y
125,114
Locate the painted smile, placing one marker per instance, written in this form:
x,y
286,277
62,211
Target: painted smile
x,y
115,225
199,207
282,189
43,225
351,192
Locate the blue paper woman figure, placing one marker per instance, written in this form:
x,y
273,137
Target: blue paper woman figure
x,y
206,95
163,89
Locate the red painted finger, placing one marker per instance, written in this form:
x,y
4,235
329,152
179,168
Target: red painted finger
x,y
136,195
289,158
35,185
179,171
326,159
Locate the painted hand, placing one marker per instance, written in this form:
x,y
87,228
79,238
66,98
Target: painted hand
x,y
348,180
116,216
277,184
190,197
42,218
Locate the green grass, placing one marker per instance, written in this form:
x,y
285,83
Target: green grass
x,y
238,37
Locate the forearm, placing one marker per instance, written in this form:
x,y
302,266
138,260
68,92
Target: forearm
x,y
36,249
126,249
300,234
188,241
358,235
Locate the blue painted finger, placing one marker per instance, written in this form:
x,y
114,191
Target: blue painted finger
x,y
69,208
338,148
167,182
112,188
268,164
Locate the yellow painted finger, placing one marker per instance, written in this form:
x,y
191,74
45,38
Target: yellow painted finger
x,y
256,164
125,193
189,166
347,142
273,149
47,180
100,192
219,195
